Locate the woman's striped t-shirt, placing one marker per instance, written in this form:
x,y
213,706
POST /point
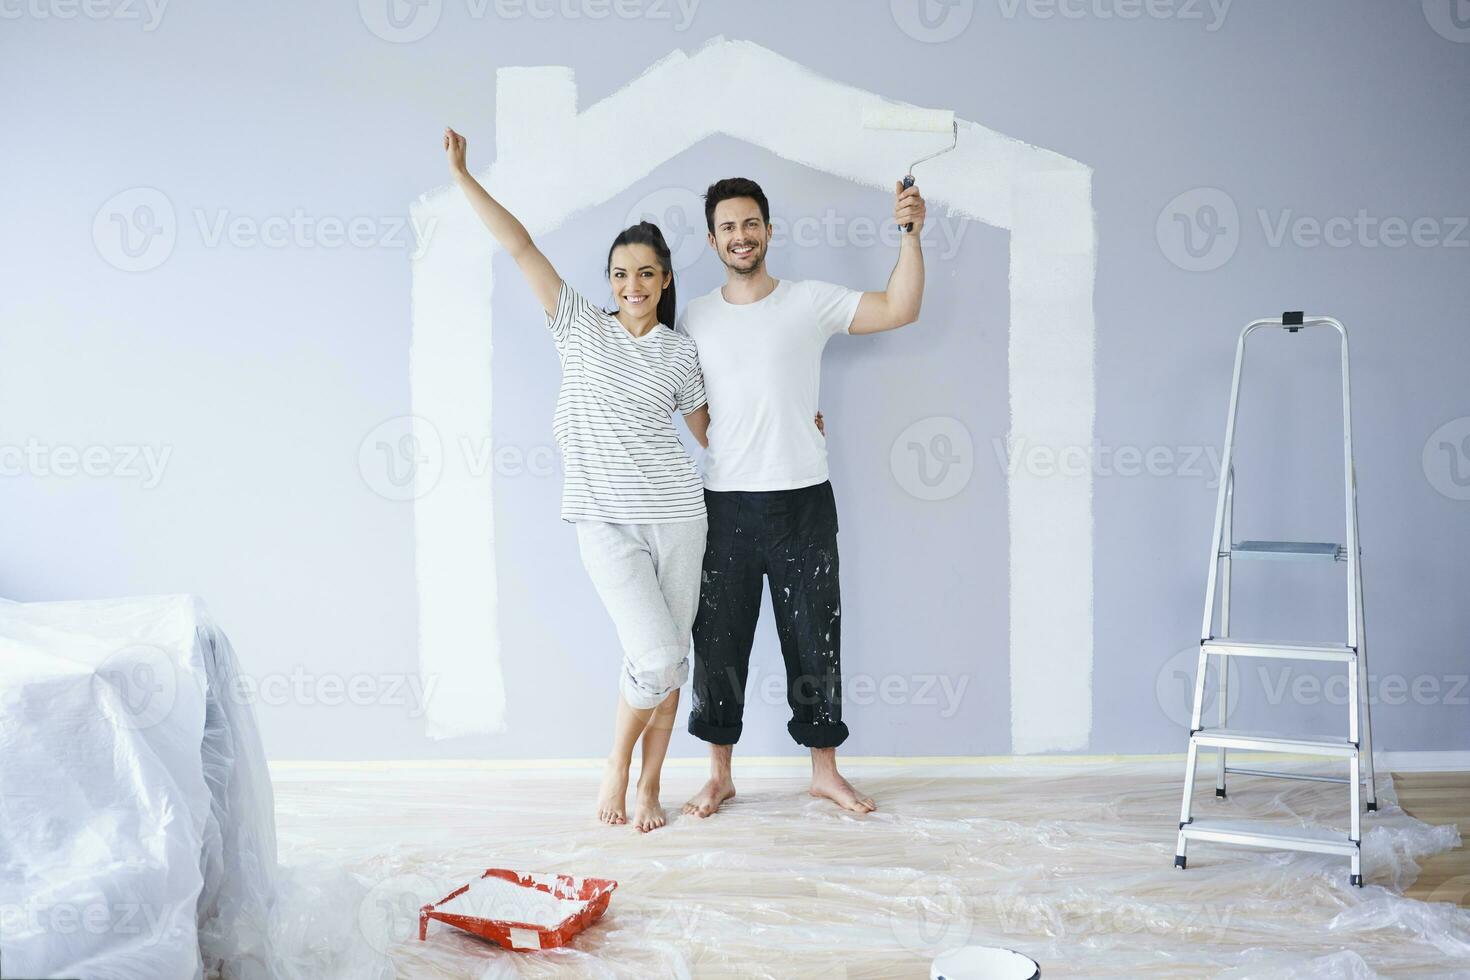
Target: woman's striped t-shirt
x,y
622,459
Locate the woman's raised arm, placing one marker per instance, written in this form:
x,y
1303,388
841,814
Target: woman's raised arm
x,y
507,229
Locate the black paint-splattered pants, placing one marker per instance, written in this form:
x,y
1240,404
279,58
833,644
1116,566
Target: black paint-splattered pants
x,y
790,538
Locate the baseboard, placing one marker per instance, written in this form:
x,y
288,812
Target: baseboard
x,y
295,769
1446,761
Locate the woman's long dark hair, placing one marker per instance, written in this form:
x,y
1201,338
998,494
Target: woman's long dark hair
x,y
647,233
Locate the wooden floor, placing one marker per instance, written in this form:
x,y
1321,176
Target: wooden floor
x,y
1440,798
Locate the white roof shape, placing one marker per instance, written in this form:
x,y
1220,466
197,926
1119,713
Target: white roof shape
x,y
740,89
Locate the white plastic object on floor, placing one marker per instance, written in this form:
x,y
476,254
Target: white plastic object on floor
x,y
983,963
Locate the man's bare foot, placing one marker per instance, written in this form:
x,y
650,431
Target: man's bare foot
x,y
611,799
709,798
648,813
832,786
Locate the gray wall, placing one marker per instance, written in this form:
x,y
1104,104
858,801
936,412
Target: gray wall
x,y
259,365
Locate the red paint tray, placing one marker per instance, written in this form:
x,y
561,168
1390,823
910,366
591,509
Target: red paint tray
x,y
596,892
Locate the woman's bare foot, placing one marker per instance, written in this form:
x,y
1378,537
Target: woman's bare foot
x,y
830,785
611,799
709,798
648,813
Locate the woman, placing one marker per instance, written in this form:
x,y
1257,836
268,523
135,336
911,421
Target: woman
x,y
633,492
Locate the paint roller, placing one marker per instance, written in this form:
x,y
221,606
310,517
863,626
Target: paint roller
x,y
914,121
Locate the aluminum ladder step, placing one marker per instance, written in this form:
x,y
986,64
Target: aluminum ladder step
x,y
1335,652
1263,833
1229,738
1286,551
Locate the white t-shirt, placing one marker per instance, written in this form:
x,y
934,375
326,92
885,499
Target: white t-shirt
x,y
762,365
623,460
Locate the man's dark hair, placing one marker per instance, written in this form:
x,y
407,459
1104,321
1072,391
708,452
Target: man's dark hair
x,y
729,187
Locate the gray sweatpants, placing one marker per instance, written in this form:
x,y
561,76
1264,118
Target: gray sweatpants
x,y
648,578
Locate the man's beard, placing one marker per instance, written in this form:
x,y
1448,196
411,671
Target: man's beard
x,y
760,260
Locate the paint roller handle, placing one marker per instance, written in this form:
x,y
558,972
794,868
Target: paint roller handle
x,y
908,181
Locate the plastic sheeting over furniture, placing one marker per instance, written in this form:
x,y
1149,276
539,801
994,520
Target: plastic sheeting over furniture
x,y
137,836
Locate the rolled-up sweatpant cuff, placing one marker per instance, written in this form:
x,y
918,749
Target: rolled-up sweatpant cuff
x,y
647,688
818,736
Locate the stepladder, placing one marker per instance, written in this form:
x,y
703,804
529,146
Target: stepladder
x,y
1219,645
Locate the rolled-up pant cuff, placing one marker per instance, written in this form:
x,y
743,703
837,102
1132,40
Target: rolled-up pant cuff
x,y
827,736
645,689
714,734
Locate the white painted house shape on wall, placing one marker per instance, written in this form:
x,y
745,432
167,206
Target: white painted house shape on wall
x,y
545,175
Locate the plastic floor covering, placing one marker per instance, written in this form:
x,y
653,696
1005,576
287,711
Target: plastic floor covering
x,y
1072,866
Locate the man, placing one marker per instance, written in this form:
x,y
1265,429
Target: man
x,y
771,510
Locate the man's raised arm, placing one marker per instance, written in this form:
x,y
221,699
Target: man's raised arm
x,y
898,305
